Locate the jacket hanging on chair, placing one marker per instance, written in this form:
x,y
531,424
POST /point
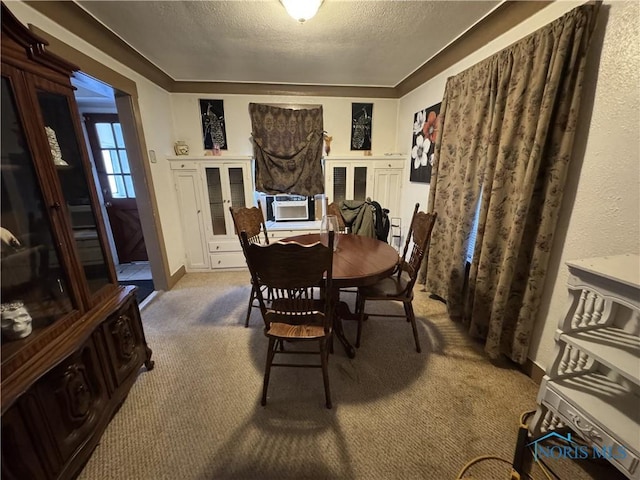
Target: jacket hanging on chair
x,y
365,218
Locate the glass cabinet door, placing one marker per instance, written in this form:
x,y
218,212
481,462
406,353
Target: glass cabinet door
x,y
339,184
34,285
236,186
225,188
360,183
216,200
349,183
67,159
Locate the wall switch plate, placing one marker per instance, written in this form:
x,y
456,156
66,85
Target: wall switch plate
x,y
152,156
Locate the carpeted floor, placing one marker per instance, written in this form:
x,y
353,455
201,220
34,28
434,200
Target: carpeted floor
x,y
397,414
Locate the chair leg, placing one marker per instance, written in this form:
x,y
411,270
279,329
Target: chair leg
x,y
267,369
408,308
324,358
252,297
360,308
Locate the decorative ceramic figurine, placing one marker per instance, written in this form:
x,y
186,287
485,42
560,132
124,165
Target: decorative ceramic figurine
x,y
56,153
327,143
16,321
181,148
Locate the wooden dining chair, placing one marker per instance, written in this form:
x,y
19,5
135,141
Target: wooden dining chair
x,y
251,221
334,209
399,286
302,304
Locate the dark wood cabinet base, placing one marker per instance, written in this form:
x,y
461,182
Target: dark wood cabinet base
x,y
51,429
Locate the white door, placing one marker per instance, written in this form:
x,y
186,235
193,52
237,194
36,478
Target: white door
x,y
386,189
188,188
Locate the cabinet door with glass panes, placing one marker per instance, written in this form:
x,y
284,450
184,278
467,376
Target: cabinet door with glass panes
x,y
36,286
53,263
226,185
348,180
74,176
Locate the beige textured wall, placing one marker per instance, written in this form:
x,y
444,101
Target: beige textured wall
x,y
601,212
336,114
602,197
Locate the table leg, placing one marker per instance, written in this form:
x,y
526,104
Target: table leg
x,y
345,312
342,312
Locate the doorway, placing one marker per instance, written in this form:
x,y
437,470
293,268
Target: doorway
x,y
104,133
115,182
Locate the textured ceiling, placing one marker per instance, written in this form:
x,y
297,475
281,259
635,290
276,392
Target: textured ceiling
x,y
360,43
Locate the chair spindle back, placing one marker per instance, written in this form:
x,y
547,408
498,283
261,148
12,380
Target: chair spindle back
x,y
293,273
251,221
416,244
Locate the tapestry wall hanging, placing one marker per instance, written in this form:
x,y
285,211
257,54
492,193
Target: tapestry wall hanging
x,y
213,128
425,128
287,147
361,115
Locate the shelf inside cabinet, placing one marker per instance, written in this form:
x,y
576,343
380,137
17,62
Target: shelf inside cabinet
x,y
612,347
595,392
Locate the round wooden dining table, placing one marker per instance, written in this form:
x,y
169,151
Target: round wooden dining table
x,y
358,261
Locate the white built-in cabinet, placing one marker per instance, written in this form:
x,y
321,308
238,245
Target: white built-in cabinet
x,y
358,178
206,187
593,385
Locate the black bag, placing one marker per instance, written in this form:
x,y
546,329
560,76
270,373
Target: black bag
x,y
382,224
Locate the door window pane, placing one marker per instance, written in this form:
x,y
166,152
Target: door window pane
x,y
105,135
115,160
117,130
111,161
106,160
128,182
117,186
124,161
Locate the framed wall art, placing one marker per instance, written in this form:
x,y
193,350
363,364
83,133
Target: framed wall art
x,y
425,129
361,116
213,124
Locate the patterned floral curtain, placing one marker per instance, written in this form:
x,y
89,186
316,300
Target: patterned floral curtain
x,y
287,145
506,137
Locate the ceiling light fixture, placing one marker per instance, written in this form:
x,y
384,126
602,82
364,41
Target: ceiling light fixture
x,y
302,10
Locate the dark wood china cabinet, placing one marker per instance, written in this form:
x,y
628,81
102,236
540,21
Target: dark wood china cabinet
x,y
72,339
